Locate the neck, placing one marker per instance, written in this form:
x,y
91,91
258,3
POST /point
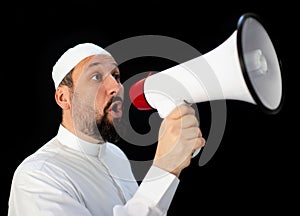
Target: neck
x,y
68,124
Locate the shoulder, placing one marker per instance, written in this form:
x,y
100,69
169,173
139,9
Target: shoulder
x,y
116,150
39,163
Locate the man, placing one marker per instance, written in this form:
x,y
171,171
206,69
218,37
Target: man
x,y
81,171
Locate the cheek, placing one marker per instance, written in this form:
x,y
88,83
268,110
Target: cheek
x,y
121,92
100,101
99,105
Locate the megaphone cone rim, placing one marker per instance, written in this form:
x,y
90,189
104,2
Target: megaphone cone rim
x,y
253,93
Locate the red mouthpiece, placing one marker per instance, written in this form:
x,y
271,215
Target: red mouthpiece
x,y
136,94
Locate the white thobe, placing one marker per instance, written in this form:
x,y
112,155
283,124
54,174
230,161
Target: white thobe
x,y
69,176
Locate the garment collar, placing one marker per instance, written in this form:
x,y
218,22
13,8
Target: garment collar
x,y
67,138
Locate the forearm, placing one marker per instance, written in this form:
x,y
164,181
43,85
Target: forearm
x,y
153,197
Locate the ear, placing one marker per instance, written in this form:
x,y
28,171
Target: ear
x,y
62,97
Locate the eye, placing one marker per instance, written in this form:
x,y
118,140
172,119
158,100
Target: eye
x,y
97,77
116,76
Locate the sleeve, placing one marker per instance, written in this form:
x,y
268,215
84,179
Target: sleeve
x,y
35,193
153,196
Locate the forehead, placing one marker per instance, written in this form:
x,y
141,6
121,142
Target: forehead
x,y
102,59
102,62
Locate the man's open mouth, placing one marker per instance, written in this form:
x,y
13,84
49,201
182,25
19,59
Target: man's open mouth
x,y
116,108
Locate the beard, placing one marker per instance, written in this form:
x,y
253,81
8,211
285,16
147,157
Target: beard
x,y
101,129
110,130
107,129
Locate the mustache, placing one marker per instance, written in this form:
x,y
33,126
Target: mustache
x,y
113,99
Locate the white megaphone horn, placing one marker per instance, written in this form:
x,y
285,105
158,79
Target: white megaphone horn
x,y
245,67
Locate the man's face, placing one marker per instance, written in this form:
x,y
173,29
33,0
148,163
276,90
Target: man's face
x,y
97,98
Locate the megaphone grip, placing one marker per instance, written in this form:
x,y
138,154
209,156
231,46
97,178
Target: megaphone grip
x,y
196,152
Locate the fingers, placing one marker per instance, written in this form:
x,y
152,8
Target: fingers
x,y
194,137
186,114
200,141
181,111
179,137
191,133
189,125
189,121
199,144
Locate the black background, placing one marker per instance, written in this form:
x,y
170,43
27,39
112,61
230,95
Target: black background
x,y
253,170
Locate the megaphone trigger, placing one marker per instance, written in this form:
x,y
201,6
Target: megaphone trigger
x,y
186,102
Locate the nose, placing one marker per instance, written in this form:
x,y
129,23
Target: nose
x,y
112,85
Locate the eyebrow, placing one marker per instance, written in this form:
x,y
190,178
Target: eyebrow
x,y
98,63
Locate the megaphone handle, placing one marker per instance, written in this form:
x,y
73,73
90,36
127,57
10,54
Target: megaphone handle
x,y
196,152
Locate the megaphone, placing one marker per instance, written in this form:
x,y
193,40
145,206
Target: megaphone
x,y
244,67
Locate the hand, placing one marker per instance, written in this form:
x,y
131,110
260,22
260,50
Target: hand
x,y
179,137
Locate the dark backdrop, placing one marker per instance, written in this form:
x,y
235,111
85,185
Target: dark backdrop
x,y
253,169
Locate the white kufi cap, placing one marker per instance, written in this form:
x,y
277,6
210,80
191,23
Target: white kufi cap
x,y
71,58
